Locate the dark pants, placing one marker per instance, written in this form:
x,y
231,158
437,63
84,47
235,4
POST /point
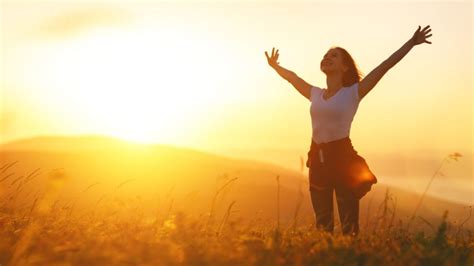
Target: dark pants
x,y
327,174
347,205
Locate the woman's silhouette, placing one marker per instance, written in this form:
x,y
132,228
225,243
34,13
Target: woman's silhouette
x,y
333,162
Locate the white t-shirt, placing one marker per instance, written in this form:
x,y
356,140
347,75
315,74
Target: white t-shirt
x,y
331,119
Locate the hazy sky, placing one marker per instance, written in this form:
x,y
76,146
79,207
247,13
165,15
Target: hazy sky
x,y
196,74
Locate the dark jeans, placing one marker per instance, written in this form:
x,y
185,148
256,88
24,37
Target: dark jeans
x,y
347,205
327,173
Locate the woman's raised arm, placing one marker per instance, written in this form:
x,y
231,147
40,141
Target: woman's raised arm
x,y
367,83
302,86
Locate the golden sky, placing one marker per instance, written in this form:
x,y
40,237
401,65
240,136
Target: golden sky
x,y
195,74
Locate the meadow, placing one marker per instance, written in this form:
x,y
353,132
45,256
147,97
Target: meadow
x,y
42,225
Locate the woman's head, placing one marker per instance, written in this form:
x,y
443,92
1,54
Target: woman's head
x,y
338,60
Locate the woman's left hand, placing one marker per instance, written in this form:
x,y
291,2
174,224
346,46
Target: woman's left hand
x,y
419,37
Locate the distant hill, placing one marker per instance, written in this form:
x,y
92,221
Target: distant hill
x,y
101,169
75,143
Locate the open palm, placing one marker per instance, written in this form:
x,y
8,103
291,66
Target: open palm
x,y
272,60
420,37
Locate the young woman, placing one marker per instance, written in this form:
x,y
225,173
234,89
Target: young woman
x,y
333,162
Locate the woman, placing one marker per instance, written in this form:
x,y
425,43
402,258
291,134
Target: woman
x,y
333,162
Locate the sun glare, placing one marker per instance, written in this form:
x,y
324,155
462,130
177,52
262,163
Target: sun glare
x,y
133,84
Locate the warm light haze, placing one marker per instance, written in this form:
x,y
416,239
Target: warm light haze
x,y
170,132
195,75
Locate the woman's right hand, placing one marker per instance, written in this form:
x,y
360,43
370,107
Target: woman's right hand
x,y
302,86
272,60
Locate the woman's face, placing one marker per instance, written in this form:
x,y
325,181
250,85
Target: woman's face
x,y
332,62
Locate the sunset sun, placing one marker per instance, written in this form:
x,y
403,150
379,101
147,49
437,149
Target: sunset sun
x,y
130,84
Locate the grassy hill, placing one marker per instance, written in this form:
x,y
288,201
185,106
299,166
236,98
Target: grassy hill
x,y
95,200
97,167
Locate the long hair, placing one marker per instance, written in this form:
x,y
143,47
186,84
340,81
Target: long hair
x,y
352,75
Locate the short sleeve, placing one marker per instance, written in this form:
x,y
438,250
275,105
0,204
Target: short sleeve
x,y
355,91
315,91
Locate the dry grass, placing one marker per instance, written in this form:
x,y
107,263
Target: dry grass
x,y
48,232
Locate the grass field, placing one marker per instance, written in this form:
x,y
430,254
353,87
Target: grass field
x,y
118,233
70,216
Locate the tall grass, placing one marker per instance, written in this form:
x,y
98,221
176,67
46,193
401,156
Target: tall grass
x,y
47,232
450,158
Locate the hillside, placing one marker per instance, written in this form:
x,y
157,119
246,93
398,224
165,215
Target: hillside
x,y
101,170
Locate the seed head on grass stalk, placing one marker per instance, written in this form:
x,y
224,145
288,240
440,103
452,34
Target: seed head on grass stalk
x,y
451,157
298,206
7,166
462,224
213,203
226,217
277,233
278,201
56,180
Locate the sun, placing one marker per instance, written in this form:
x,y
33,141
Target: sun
x,y
139,85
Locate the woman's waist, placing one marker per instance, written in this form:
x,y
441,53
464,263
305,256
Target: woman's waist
x,y
332,125
340,142
340,146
